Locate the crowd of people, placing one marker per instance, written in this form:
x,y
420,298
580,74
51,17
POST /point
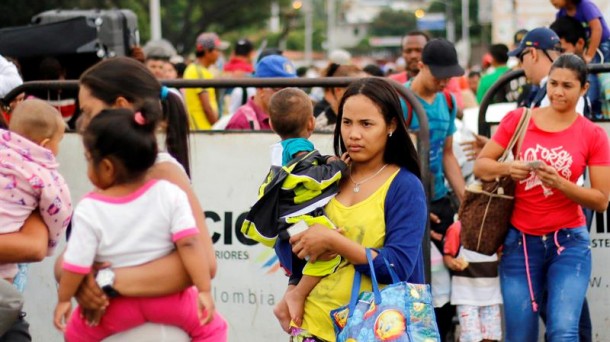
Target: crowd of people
x,y
128,265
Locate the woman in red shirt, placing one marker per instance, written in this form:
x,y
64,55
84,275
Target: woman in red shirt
x,y
547,247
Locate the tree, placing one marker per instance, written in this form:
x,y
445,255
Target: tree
x,y
393,23
182,20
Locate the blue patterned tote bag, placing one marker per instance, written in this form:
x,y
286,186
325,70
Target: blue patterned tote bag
x,y
401,312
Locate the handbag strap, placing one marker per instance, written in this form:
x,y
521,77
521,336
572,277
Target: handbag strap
x,y
390,268
358,279
355,293
369,258
518,135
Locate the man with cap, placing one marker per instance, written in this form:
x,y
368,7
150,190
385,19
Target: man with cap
x,y
412,46
537,51
254,114
201,102
240,64
439,63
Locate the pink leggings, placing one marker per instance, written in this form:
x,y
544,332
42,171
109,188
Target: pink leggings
x,y
124,313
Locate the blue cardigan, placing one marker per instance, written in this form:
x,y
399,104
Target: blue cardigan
x,y
406,215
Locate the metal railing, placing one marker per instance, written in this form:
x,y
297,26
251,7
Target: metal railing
x,y
423,135
484,126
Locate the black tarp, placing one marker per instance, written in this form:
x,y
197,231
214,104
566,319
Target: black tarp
x,y
71,36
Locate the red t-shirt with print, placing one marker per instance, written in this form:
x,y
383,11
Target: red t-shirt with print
x,y
540,210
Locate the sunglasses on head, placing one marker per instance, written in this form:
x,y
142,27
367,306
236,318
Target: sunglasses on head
x,y
546,53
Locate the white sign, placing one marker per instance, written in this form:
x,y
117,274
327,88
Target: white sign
x,y
227,169
385,41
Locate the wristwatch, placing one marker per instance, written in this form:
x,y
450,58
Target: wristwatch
x,y
105,280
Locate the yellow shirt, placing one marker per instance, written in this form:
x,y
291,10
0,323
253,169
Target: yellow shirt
x,y
364,223
198,119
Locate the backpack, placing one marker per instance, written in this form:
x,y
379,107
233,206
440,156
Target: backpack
x,y
448,99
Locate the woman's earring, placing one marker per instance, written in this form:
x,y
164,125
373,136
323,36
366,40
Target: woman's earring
x,y
390,134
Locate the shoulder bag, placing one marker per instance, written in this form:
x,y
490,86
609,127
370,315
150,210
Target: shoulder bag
x,y
487,206
399,312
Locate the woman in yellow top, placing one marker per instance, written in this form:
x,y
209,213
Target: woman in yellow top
x,y
380,205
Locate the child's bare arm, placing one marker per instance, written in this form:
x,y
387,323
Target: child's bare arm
x,y
594,40
68,285
67,288
454,264
193,257
448,260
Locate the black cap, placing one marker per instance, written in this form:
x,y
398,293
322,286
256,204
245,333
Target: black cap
x,y
440,56
539,38
243,47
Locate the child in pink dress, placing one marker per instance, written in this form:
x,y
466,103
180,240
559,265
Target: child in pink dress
x,y
29,179
130,220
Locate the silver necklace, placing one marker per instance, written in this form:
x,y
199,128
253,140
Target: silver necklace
x,y
357,184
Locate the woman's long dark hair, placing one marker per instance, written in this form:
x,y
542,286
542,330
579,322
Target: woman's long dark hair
x,y
399,148
126,77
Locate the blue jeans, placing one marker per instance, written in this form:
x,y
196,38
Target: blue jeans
x,y
564,277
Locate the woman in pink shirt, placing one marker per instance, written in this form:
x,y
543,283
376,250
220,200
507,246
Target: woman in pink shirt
x,y
547,247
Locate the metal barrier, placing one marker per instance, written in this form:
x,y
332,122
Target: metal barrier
x,y
484,126
423,146
423,136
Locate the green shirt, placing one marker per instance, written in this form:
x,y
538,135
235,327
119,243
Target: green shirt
x,y
488,80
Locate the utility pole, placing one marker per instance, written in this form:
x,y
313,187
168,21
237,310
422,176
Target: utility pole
x,y
330,25
274,23
450,21
155,19
466,28
308,11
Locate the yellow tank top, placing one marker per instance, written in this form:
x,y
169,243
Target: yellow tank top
x,y
364,223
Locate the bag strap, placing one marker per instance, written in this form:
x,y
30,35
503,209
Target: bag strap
x,y
355,293
449,100
369,258
390,270
358,279
518,135
524,126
